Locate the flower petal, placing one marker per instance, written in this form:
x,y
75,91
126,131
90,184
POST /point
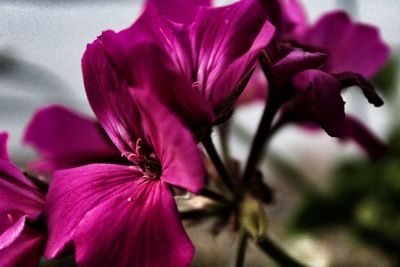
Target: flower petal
x,y
226,42
294,19
75,192
352,47
24,251
181,11
138,228
17,193
11,226
149,69
3,146
323,92
155,54
371,144
181,160
109,97
256,89
67,139
348,79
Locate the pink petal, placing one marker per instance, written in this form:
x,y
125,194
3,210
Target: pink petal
x,y
352,47
18,193
181,160
226,42
256,89
3,146
294,18
109,97
24,251
323,93
67,139
115,212
370,143
140,227
182,11
11,226
75,192
154,54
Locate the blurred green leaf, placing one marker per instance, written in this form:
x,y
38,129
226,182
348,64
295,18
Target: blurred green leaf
x,y
385,80
364,197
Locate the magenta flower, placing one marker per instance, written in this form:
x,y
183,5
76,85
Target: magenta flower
x,y
66,139
318,62
320,103
22,231
207,56
351,47
126,213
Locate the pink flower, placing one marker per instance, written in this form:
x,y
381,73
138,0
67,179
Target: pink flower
x,y
125,215
22,227
207,56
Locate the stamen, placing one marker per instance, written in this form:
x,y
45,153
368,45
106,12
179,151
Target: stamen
x,y
144,158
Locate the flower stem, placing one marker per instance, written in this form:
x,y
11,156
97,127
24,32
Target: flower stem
x,y
274,101
241,247
260,138
223,136
277,254
197,214
212,195
219,165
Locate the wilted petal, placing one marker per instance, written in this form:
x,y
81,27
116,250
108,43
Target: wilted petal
x,y
357,132
3,146
17,193
75,192
323,93
140,227
181,160
25,251
297,61
354,79
352,47
67,139
226,42
182,11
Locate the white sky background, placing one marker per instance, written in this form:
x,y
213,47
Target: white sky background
x,y
47,41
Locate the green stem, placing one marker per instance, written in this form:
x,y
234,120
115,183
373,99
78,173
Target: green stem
x,y
197,214
241,247
219,165
277,254
205,192
274,101
223,136
260,138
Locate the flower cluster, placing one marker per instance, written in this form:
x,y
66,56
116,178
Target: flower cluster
x,y
158,89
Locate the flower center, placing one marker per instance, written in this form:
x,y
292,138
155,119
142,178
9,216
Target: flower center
x,y
145,158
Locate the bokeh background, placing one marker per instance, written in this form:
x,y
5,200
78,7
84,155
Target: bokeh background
x,y
332,206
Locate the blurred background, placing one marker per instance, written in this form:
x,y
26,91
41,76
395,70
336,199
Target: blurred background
x,y
332,206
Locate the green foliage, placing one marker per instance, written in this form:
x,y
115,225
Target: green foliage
x,y
385,80
364,197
